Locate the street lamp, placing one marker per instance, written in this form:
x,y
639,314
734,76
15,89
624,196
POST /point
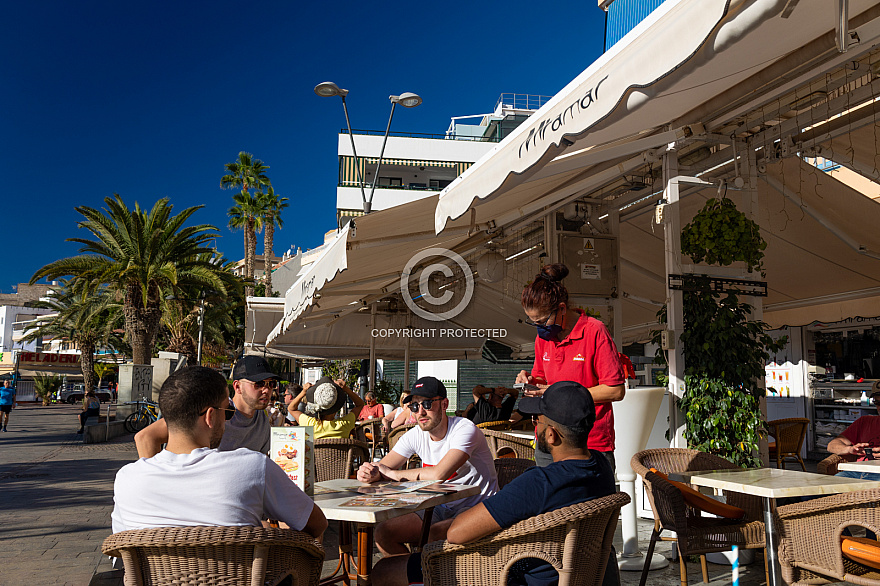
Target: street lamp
x,y
328,89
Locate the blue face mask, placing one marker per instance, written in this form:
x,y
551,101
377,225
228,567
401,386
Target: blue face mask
x,y
549,333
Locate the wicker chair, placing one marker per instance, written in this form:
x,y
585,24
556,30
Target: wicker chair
x,y
509,468
216,555
337,458
695,535
809,545
394,435
575,539
497,440
496,425
829,464
789,435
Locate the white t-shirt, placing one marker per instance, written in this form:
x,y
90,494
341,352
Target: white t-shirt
x,y
206,487
462,434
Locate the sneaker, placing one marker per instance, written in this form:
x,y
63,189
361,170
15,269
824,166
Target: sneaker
x,y
78,432
4,429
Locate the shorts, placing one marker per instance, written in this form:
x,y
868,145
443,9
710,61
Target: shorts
x,y
441,513
6,408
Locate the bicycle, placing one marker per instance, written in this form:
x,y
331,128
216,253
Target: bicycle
x,y
146,413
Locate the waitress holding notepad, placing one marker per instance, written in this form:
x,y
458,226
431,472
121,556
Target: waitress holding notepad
x,y
571,346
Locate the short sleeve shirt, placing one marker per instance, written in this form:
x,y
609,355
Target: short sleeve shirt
x,y
7,396
252,433
335,428
461,434
864,429
377,411
587,356
484,411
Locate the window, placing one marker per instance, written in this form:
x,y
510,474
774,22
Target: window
x,y
390,182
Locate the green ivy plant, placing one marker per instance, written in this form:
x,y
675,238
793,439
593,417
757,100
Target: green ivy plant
x,y
721,234
724,351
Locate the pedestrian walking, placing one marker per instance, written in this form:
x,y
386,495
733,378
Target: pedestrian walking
x,y
7,403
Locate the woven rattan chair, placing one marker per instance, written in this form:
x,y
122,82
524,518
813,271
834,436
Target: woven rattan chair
x,y
810,532
496,425
337,458
498,441
575,539
697,533
216,555
509,468
394,435
829,464
789,435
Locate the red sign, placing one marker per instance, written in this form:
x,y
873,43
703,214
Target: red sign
x,y
44,358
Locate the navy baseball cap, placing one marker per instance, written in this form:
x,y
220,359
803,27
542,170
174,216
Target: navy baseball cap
x,y
566,402
427,386
253,368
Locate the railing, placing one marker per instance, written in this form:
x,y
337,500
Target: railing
x,y
522,101
435,136
378,186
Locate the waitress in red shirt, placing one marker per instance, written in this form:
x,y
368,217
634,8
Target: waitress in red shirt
x,y
571,346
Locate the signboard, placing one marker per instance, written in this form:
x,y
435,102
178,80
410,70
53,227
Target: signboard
x,y
34,360
293,449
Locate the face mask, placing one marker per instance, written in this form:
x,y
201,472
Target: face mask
x,y
549,333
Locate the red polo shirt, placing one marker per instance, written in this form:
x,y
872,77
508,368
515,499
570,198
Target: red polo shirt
x,y
587,356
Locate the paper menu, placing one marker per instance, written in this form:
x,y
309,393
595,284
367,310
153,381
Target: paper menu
x,y
292,448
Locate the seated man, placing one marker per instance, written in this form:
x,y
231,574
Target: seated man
x,y
452,449
492,404
860,439
564,416
192,483
373,409
253,383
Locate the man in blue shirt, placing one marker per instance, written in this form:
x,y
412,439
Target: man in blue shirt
x,y
564,416
7,403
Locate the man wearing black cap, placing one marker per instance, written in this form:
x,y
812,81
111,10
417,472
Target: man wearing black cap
x,y
564,416
452,449
253,383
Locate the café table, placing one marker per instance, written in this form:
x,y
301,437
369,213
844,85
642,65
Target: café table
x,y
872,466
771,484
331,494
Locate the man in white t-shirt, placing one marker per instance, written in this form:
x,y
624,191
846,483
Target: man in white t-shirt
x,y
452,449
192,483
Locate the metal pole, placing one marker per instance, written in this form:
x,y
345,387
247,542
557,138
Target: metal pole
x,y
201,329
369,203
406,354
373,347
354,152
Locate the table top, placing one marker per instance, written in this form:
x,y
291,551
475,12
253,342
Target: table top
x,y
776,482
529,435
330,503
866,466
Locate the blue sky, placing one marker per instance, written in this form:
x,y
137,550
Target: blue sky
x,y
150,99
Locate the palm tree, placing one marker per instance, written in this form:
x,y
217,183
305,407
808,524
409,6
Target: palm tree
x,y
84,315
140,254
272,206
103,369
246,173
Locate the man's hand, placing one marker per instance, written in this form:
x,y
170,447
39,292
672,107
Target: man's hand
x,y
522,377
862,449
369,473
386,472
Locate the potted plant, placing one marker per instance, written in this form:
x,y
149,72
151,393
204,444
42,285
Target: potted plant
x,y
725,352
45,386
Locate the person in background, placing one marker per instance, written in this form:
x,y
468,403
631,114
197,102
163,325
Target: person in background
x,y
7,403
293,389
400,416
492,404
275,411
372,409
253,383
91,407
861,439
192,482
324,400
574,347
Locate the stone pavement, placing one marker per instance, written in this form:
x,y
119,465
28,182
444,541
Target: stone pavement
x,y
57,495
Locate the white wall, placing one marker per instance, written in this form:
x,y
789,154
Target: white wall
x,y
349,198
429,149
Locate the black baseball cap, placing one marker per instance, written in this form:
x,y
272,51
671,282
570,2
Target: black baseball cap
x,y
253,368
566,402
427,386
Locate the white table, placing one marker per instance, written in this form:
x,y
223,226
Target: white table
x,y
872,466
770,484
366,518
529,435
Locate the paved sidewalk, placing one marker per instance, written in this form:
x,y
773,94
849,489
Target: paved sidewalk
x,y
57,496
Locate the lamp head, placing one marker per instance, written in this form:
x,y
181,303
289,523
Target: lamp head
x,y
328,89
406,99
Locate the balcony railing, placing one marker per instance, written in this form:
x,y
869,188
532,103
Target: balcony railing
x,y
435,136
522,101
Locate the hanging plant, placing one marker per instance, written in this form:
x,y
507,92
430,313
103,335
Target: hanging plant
x,y
721,234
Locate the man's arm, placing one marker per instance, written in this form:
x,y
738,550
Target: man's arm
x,y
471,525
149,440
370,471
842,446
479,392
451,462
317,523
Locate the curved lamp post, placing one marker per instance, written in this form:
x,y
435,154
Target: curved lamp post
x,y
328,89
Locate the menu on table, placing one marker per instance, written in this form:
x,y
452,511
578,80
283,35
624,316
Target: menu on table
x,y
292,448
399,494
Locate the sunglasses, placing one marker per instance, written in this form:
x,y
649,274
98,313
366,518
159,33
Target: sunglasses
x,y
540,322
426,404
265,384
228,413
536,421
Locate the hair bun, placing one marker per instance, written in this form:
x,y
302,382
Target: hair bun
x,y
554,272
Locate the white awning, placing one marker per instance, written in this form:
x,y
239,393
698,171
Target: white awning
x,y
686,53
